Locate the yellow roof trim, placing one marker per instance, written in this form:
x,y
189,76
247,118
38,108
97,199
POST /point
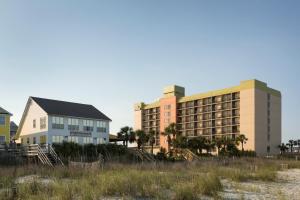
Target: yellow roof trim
x,y
152,105
249,84
244,85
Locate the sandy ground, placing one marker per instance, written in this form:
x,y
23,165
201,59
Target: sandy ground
x,y
286,187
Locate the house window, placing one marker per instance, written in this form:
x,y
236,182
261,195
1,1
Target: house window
x,y
22,140
2,139
87,140
73,139
34,140
88,125
101,126
43,139
99,140
73,124
268,149
58,123
28,140
43,122
34,123
57,139
2,120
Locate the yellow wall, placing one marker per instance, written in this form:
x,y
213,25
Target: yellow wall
x,y
5,129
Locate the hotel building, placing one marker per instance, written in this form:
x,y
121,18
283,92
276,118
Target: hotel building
x,y
251,108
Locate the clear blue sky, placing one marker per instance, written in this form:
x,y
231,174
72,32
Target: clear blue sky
x,y
114,53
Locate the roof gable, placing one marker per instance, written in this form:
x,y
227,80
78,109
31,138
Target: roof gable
x,y
63,108
2,111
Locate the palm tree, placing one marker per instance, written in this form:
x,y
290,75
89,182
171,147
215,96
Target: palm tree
x,y
170,133
241,139
196,144
142,139
172,129
180,142
152,137
208,145
219,143
282,148
125,134
291,145
132,137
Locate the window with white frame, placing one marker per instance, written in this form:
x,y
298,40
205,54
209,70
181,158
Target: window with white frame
x,y
87,140
57,139
43,122
88,125
73,139
2,120
58,123
101,126
100,141
73,124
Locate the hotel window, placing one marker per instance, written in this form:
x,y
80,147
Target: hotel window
x,y
57,139
2,120
88,125
167,107
87,140
43,122
58,123
73,124
167,114
101,126
34,123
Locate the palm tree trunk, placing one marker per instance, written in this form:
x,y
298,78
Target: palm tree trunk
x,y
242,146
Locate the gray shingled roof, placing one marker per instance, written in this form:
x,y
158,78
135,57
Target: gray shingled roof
x,y
63,108
13,126
2,111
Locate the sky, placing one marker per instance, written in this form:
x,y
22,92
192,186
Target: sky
x,y
114,53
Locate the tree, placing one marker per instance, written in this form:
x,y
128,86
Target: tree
x,y
172,129
132,137
291,145
208,145
142,138
228,147
196,144
125,134
180,142
170,133
152,138
219,142
241,139
282,148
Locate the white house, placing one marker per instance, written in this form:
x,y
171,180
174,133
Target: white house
x,y
47,121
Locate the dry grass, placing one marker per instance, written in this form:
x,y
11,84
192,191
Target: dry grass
x,y
153,181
